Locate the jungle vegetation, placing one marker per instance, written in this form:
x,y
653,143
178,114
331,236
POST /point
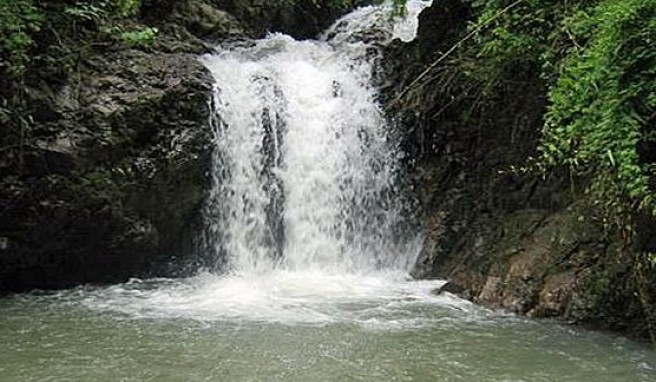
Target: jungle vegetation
x,y
595,57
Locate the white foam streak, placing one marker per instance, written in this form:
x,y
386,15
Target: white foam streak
x,y
378,300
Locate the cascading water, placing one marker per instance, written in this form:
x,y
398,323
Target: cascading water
x,y
305,173
315,247
306,216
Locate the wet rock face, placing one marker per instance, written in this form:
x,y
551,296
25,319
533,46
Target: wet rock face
x,y
117,182
298,18
529,263
525,243
111,181
219,20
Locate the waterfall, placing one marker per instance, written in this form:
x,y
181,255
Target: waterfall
x,y
307,218
305,173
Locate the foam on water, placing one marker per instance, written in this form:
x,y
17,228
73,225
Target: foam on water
x,y
281,296
306,216
313,242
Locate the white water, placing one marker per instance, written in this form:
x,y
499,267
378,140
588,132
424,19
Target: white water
x,y
305,175
314,289
306,213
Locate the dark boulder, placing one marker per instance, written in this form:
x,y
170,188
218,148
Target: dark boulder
x,y
118,184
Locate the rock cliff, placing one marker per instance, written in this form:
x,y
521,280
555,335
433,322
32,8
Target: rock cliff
x,y
531,243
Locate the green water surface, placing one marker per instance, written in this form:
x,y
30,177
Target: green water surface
x,y
56,338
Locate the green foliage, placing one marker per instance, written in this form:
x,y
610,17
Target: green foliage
x,y
108,16
598,62
86,11
19,20
142,37
515,37
603,99
103,9
125,8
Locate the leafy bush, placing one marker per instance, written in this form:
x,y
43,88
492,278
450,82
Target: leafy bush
x,y
602,105
109,16
19,20
598,62
125,8
141,37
